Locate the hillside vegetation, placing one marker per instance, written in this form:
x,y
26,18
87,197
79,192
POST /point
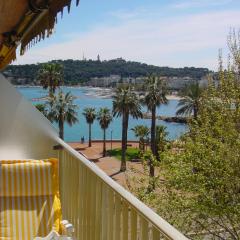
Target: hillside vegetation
x,y
80,71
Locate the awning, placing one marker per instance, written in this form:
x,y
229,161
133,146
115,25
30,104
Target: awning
x,y
25,22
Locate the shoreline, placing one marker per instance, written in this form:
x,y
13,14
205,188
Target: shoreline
x,y
100,91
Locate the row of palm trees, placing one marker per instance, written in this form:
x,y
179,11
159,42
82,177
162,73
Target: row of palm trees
x,y
104,118
127,103
60,107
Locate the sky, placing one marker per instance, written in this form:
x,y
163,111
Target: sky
x,y
159,32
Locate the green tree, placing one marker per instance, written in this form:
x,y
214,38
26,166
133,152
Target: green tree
x,y
155,96
90,115
191,100
142,133
206,172
161,140
50,76
125,104
61,108
104,117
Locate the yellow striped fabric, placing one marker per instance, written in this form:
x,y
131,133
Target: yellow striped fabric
x,y
29,199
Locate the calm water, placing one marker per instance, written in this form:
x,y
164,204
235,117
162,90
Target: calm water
x,y
88,98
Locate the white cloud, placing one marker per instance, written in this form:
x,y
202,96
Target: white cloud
x,y
191,40
200,3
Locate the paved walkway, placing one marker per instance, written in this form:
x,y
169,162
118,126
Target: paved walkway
x,y
110,165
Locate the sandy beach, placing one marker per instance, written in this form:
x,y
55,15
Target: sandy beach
x,y
173,97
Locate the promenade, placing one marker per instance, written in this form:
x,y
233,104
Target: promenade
x,y
110,165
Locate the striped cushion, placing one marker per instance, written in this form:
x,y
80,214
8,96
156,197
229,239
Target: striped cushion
x,y
29,199
27,178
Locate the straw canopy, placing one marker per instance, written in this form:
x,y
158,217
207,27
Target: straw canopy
x,y
25,22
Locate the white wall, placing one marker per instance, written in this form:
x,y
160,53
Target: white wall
x,y
24,132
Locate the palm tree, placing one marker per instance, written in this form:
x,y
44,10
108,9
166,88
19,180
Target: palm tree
x,y
141,132
62,109
90,116
51,76
125,103
191,99
104,117
154,97
42,108
161,140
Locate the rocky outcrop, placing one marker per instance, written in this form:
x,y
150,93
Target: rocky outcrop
x,y
175,119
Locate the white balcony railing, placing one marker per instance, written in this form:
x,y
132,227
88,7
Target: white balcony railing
x,y
101,209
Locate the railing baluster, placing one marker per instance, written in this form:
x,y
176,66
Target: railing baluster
x,y
76,196
144,229
117,215
104,209
68,189
88,201
133,224
110,214
71,186
125,220
79,209
81,199
93,207
84,203
98,209
155,234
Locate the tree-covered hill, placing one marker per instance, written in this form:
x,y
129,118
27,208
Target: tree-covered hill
x,y
80,71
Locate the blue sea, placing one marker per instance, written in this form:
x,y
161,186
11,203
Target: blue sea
x,y
89,97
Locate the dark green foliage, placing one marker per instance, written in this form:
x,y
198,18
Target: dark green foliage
x,y
80,71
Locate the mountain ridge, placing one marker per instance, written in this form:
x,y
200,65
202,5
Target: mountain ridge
x,y
81,71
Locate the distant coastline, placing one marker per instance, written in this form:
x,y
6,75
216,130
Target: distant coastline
x,y
100,92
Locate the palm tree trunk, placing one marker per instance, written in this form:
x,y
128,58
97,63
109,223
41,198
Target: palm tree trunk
x,y
124,141
61,128
104,142
195,112
141,144
90,135
153,139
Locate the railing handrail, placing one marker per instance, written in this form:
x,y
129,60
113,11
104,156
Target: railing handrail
x,y
166,229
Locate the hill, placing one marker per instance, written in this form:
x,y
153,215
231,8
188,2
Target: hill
x,y
81,71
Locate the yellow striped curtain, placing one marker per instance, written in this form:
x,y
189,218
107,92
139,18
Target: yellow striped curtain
x,y
29,199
